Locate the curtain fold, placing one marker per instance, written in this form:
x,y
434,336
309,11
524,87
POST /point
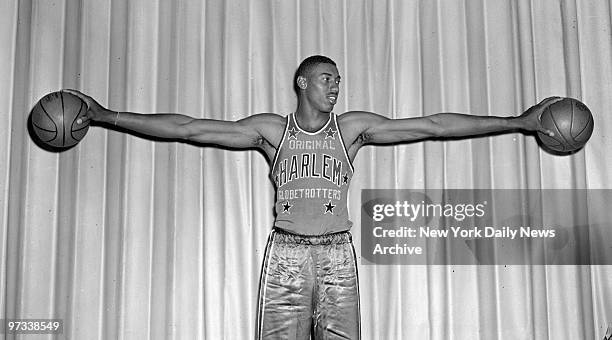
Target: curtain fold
x,y
132,238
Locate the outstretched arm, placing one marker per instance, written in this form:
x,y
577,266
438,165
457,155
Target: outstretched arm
x,y
254,131
369,128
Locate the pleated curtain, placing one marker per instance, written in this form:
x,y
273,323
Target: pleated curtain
x,y
125,237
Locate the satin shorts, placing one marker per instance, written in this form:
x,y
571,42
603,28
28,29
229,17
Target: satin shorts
x,y
309,287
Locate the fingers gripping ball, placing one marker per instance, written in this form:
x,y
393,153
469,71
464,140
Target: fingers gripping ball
x,y
570,121
54,119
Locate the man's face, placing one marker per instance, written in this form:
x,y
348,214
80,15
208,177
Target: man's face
x,y
323,87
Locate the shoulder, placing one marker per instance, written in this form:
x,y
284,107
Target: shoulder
x,y
357,122
264,123
360,118
269,126
354,126
264,119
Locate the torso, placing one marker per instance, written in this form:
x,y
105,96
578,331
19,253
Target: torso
x,y
273,133
312,172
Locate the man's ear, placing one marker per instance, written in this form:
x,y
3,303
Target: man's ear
x,y
301,82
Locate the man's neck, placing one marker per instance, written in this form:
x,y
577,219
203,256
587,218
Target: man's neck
x,y
311,119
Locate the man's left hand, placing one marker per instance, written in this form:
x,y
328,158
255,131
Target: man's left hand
x,y
532,117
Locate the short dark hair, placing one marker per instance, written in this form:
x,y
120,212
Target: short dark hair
x,y
306,67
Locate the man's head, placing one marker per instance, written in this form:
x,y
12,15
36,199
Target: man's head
x,y
317,81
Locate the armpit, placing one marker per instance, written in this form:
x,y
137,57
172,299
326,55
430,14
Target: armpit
x,y
259,141
363,138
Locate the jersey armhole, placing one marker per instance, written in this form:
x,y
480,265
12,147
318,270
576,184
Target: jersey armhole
x,y
280,144
348,159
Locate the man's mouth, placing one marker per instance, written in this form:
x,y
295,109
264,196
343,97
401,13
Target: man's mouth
x,y
332,98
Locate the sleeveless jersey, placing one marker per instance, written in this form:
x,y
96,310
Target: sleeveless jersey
x,y
312,172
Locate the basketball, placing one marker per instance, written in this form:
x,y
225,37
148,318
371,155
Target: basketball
x,y
54,119
570,121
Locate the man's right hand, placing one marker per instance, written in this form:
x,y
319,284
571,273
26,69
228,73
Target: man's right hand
x,y
95,111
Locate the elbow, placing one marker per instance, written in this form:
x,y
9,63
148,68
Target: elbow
x,y
436,127
186,130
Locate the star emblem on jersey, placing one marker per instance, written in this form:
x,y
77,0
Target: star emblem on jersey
x,y
330,133
286,207
293,132
329,207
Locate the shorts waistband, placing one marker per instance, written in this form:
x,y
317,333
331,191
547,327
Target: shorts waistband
x,y
284,236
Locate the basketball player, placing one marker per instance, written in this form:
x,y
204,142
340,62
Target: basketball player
x,y
309,277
